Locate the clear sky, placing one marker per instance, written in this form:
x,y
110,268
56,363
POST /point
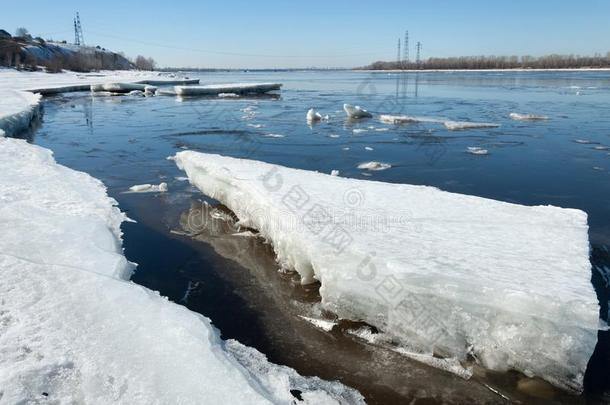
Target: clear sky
x,y
260,34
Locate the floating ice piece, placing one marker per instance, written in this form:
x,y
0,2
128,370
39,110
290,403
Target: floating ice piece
x,y
368,148
345,148
585,141
139,93
407,119
313,116
274,136
118,87
334,136
527,117
149,90
382,129
148,188
228,95
441,272
237,88
458,125
359,130
374,166
356,112
334,172
601,147
74,327
323,324
256,125
475,150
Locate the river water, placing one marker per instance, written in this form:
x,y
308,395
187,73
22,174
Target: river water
x,y
563,161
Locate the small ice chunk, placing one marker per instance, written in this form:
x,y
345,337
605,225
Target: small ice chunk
x,y
334,136
138,93
475,150
148,188
601,147
527,117
228,95
458,125
313,116
150,90
374,166
334,172
368,148
397,119
345,148
323,324
274,136
359,130
356,112
585,141
181,178
255,125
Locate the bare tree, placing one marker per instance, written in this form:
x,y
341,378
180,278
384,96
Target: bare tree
x,y
22,32
143,63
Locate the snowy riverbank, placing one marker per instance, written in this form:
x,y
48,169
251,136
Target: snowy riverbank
x,y
74,329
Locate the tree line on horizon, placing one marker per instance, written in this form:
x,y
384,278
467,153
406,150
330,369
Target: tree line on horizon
x,y
553,61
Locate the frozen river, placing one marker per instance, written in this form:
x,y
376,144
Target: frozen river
x,y
563,161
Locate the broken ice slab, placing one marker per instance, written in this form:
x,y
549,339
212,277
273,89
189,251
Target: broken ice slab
x,y
236,88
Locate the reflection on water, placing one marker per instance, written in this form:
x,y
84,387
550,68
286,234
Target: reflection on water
x,y
233,278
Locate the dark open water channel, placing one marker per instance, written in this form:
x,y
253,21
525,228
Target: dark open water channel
x,y
234,280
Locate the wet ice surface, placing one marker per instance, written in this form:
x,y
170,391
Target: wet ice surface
x,y
124,141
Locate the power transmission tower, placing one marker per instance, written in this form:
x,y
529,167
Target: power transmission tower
x,y
398,54
78,31
418,57
405,48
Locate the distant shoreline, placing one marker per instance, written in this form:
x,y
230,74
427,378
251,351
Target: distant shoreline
x,y
605,69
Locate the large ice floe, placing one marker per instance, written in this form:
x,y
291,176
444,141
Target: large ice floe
x,y
73,329
235,88
450,275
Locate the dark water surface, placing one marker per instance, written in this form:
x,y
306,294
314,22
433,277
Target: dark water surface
x,y
234,280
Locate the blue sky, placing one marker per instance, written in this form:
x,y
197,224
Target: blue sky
x,y
259,34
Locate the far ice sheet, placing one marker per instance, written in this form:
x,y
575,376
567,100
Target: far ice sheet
x,y
453,275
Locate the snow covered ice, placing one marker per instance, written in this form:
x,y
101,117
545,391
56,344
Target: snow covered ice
x,y
236,88
75,330
527,117
314,116
374,166
447,274
148,188
356,112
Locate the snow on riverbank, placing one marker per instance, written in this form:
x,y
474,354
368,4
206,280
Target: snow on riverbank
x,y
455,275
74,330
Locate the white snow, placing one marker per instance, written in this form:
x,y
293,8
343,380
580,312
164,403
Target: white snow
x,y
356,112
476,150
74,330
374,166
334,172
527,117
442,273
148,188
17,109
